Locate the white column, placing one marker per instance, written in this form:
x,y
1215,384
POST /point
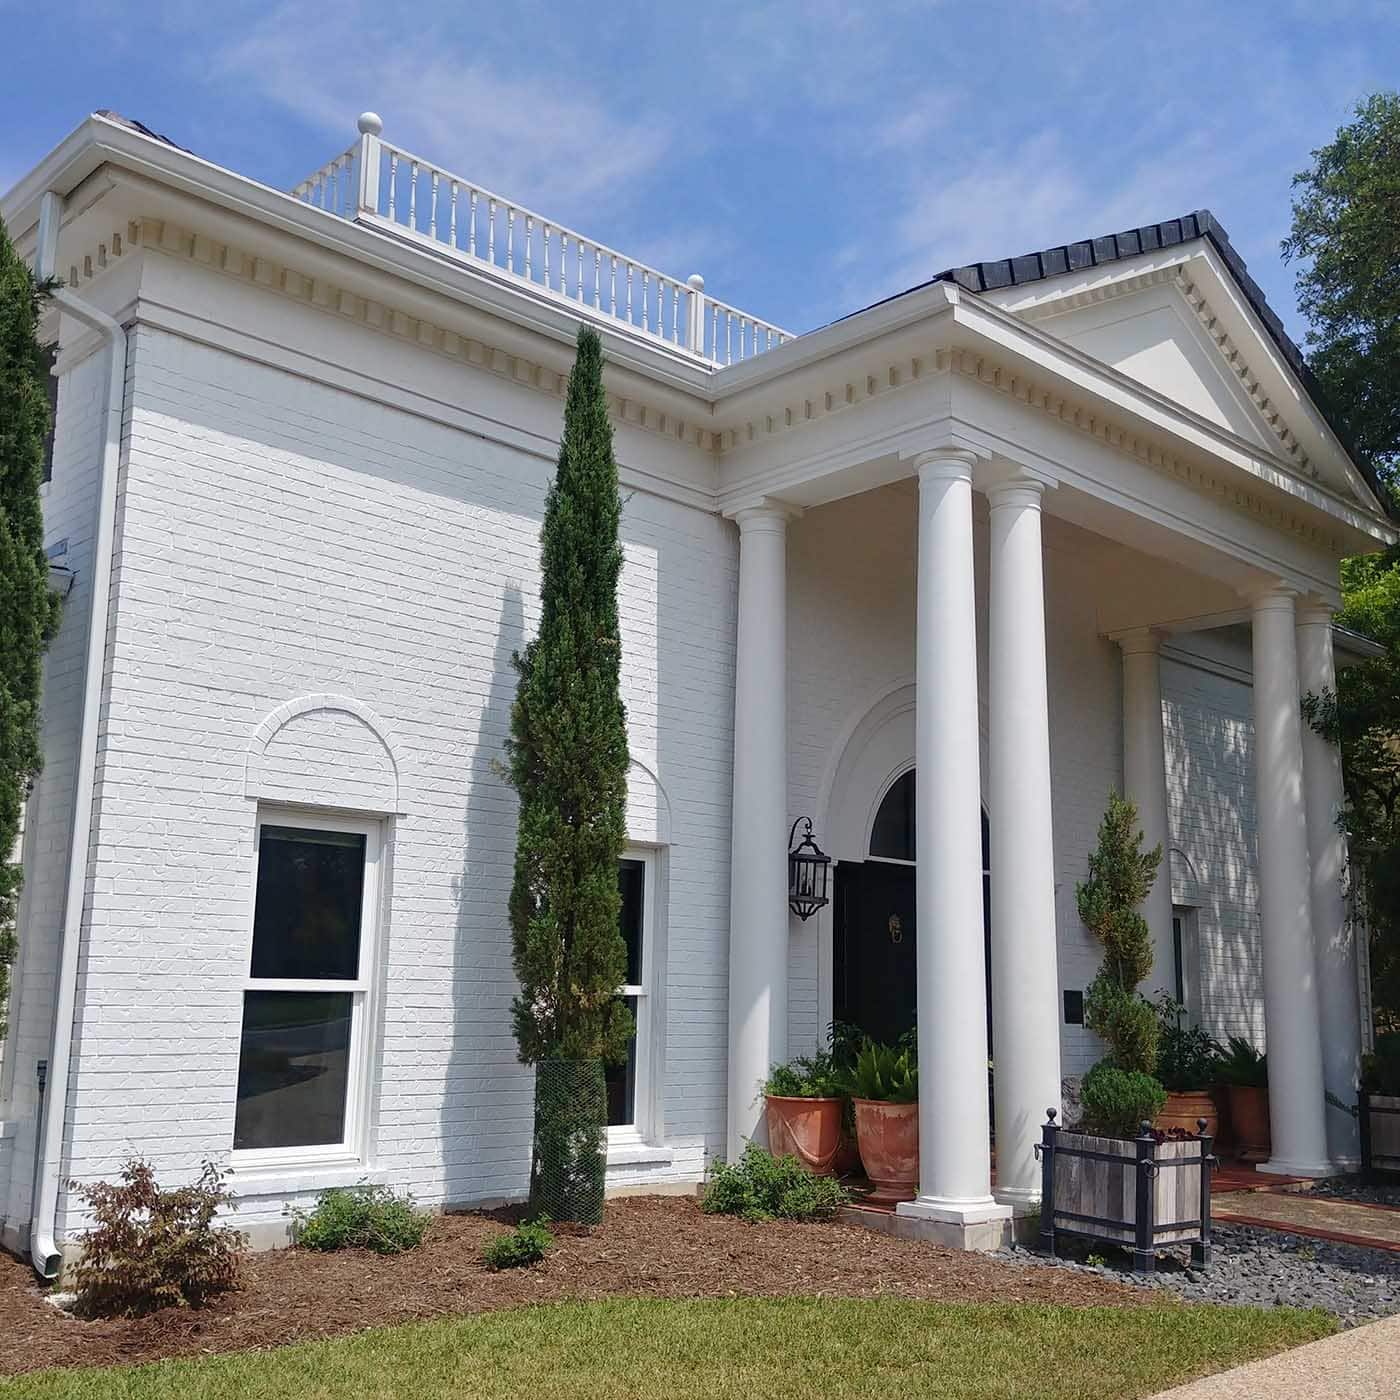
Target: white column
x,y
1334,944
1025,974
1145,783
758,920
1285,898
954,1129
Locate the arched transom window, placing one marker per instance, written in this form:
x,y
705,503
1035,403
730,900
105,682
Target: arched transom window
x,y
892,836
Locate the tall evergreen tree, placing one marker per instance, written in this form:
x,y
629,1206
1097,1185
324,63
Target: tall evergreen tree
x,y
568,763
28,610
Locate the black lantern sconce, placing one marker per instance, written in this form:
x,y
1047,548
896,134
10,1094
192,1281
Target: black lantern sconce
x,y
809,868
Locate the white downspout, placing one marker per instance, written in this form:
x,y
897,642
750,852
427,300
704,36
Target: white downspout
x,y
43,1246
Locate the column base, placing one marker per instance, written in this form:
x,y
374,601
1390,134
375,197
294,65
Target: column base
x,y
983,1225
1275,1167
1019,1198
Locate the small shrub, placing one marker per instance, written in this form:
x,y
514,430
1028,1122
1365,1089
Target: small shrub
x,y
1116,1101
886,1073
528,1243
1187,1056
807,1077
761,1186
1380,1070
151,1248
1243,1065
362,1217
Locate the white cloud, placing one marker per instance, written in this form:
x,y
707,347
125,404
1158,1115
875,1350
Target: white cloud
x,y
532,137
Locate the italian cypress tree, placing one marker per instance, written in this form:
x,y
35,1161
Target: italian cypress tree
x,y
28,610
568,763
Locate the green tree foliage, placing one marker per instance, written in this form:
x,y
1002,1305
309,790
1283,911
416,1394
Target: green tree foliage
x,y
1363,717
568,763
1346,232
1120,877
29,612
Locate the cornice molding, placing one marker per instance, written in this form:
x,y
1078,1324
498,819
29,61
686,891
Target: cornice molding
x,y
320,294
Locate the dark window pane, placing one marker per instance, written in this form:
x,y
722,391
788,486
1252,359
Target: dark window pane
x,y
631,880
622,1081
293,1069
893,834
306,921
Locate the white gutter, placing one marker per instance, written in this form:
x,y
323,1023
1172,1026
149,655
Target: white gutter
x,y
43,1246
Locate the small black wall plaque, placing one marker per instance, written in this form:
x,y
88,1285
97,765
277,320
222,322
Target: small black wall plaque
x,y
1074,1008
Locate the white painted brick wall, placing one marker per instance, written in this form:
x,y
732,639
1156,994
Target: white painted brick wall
x,y
283,538
1210,790
69,513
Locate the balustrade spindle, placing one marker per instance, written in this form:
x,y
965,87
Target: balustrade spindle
x,y
529,245
613,288
578,286
432,208
597,279
646,303
546,256
452,228
676,314
491,236
393,181
471,226
510,238
413,195
630,320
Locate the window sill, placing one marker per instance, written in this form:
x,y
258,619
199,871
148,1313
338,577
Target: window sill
x,y
289,1178
636,1153
8,1128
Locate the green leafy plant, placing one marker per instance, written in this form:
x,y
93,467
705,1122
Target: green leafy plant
x,y
150,1248
886,1073
568,763
1241,1064
1116,1102
1121,875
528,1243
362,1217
761,1186
29,611
808,1077
1187,1056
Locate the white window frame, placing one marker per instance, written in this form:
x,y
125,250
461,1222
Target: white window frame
x,y
1186,936
352,1146
639,1131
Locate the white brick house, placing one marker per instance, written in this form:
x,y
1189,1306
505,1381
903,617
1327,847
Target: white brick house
x,y
301,453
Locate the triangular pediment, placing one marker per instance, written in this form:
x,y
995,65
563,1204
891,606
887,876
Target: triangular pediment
x,y
1153,335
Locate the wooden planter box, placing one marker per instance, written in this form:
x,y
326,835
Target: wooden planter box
x,y
1134,1192
1379,1119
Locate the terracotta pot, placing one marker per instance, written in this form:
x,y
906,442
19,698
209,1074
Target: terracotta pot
x,y
888,1136
808,1129
1186,1107
1249,1120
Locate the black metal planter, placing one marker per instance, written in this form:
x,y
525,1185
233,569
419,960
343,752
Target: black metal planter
x,y
1378,1117
1133,1192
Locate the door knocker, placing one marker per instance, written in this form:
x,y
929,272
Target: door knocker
x,y
896,929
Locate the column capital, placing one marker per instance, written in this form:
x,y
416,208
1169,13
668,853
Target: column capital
x,y
764,516
1277,598
1315,612
1139,641
1013,483
945,464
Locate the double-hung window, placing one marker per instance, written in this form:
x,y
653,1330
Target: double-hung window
x,y
302,1060
629,1084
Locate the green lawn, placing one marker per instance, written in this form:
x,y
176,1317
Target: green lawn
x,y
788,1349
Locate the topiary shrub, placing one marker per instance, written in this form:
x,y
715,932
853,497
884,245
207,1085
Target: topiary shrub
x,y
362,1217
1121,876
151,1248
528,1243
1116,1102
761,1186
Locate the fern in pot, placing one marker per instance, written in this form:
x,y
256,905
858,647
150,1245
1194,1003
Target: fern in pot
x,y
885,1092
1187,1060
1243,1074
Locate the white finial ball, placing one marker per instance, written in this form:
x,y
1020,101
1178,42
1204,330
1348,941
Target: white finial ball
x,y
370,124
695,280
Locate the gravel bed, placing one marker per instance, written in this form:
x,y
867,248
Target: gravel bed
x,y
1261,1268
1353,1188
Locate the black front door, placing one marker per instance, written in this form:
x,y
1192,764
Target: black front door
x,y
875,954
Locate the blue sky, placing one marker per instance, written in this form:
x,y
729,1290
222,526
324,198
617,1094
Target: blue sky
x,y
808,158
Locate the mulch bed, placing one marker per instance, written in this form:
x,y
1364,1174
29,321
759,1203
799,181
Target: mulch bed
x,y
648,1247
